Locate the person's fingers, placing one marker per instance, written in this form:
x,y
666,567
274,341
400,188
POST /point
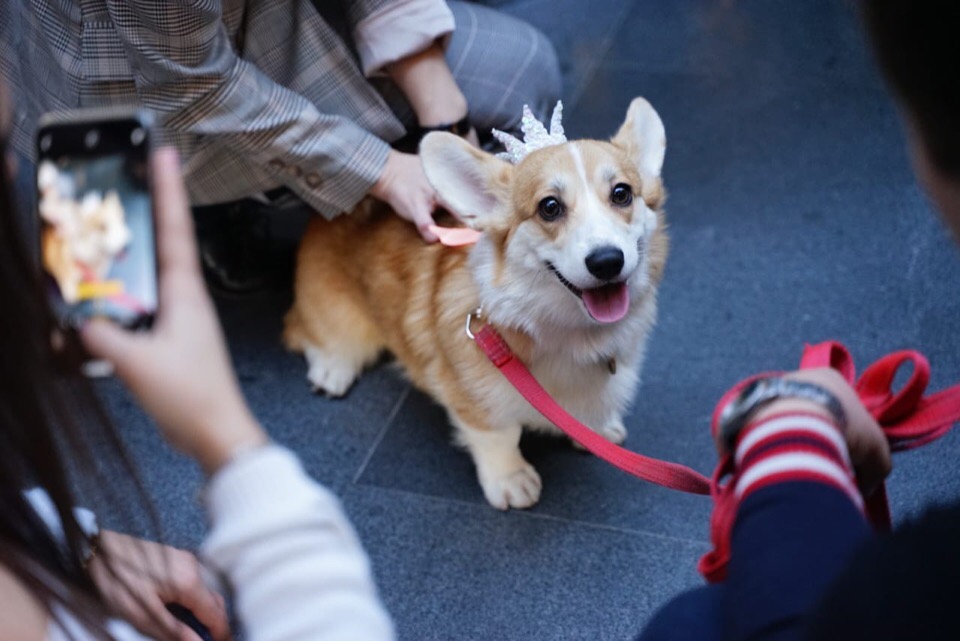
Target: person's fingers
x,y
209,609
148,614
226,634
108,341
423,217
176,244
870,455
866,442
186,633
425,232
163,624
185,587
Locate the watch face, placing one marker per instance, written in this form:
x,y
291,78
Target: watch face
x,y
733,407
735,413
749,390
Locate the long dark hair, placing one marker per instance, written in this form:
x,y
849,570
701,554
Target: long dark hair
x,y
54,434
916,44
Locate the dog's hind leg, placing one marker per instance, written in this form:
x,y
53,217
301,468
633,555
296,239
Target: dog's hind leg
x,y
294,334
507,479
337,341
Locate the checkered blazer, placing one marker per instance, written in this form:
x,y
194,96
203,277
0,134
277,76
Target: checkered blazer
x,y
255,93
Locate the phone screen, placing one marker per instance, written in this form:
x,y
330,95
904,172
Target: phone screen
x,y
97,243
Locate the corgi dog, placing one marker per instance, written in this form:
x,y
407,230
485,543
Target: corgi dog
x,y
571,253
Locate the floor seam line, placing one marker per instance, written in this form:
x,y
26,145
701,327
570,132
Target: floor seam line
x,y
534,515
602,52
383,432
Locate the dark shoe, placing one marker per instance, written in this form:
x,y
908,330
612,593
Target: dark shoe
x,y
238,252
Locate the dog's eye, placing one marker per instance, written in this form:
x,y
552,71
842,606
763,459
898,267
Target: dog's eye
x,y
621,195
550,208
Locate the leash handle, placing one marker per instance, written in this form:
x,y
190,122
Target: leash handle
x,y
908,418
670,475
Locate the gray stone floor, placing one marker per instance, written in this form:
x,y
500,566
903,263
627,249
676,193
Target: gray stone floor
x,y
794,217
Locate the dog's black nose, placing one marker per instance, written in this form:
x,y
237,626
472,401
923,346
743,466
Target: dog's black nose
x,y
605,263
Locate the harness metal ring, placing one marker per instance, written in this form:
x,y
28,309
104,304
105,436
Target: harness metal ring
x,y
476,314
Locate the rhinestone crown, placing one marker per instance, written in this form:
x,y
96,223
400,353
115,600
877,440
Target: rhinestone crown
x,y
535,135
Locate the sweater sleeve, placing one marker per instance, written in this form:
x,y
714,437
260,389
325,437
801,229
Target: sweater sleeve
x,y
385,32
295,565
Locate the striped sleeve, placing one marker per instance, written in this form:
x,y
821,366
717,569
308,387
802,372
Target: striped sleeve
x,y
793,447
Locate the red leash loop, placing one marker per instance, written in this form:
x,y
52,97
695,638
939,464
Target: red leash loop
x,y
671,475
908,418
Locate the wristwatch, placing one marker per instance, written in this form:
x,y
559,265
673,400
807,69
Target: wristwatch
x,y
411,141
738,412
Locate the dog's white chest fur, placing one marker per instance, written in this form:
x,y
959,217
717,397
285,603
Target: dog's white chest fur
x,y
578,376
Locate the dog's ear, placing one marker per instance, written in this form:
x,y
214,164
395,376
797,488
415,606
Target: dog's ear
x,y
643,137
473,184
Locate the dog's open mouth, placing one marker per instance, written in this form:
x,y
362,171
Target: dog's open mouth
x,y
605,304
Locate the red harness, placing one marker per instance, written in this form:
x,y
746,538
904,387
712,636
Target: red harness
x,y
908,418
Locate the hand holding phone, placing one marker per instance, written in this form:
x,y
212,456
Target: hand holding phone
x,y
180,370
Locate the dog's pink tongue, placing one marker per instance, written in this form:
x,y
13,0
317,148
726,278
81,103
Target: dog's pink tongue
x,y
607,304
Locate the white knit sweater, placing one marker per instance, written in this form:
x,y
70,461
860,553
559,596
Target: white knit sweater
x,y
284,545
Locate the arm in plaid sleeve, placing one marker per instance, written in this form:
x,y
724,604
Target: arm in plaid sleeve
x,y
187,71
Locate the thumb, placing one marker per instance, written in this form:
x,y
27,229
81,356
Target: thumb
x,y
426,231
107,341
423,220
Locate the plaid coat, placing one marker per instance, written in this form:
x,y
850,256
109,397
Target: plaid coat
x,y
255,93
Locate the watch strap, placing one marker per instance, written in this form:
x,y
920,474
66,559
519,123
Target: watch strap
x,y
762,392
411,141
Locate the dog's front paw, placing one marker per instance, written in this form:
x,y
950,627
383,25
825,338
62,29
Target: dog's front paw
x,y
518,489
329,374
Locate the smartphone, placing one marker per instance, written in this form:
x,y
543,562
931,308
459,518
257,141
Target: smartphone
x,y
97,237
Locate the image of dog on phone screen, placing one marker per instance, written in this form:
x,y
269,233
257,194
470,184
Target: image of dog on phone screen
x,y
87,236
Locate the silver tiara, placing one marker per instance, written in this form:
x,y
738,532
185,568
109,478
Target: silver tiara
x,y
535,135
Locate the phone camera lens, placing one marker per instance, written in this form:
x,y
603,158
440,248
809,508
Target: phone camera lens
x,y
92,139
45,142
137,136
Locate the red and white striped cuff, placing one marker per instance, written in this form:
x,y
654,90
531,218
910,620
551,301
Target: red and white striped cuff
x,y
793,447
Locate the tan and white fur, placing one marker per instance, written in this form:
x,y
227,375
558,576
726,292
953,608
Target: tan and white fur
x,y
82,237
367,283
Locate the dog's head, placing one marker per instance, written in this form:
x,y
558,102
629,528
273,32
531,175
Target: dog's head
x,y
103,231
573,232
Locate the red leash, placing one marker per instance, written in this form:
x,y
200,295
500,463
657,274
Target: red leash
x,y
909,419
672,475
